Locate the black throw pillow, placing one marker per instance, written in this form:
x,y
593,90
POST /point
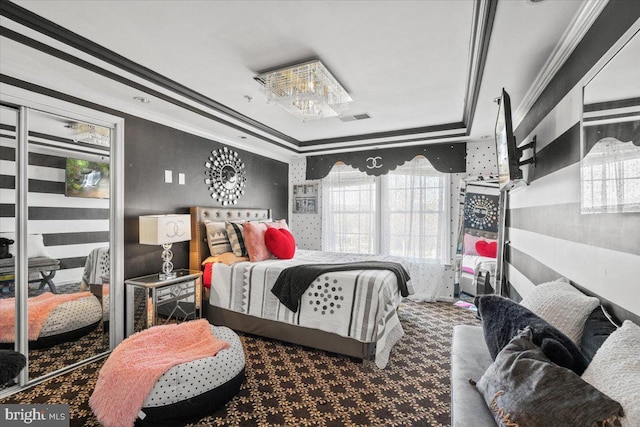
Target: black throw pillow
x,y
11,363
596,330
503,318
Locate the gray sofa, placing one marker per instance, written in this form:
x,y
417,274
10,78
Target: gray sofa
x,y
469,359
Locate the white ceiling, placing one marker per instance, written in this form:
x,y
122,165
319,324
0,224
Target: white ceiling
x,y
404,62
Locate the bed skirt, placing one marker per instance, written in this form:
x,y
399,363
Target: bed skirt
x,y
294,334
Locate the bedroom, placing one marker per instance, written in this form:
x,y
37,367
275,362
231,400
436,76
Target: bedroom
x,y
181,126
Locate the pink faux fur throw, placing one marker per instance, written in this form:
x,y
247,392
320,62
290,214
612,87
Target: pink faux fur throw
x,y
128,375
38,311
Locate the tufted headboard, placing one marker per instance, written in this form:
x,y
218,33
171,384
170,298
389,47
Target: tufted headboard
x,y
198,248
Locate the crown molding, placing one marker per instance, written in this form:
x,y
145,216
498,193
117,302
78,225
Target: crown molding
x,y
75,90
582,21
484,12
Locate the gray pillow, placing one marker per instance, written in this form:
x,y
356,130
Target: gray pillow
x,y
523,387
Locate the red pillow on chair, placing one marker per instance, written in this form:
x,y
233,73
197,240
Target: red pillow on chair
x,y
280,242
488,249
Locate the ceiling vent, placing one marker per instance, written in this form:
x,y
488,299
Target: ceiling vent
x,y
355,117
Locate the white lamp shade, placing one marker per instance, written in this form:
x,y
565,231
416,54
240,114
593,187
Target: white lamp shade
x,y
160,229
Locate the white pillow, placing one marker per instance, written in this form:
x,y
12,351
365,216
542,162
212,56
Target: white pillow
x,y
563,306
217,238
615,371
35,245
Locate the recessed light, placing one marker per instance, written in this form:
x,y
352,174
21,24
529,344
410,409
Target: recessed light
x,y
142,99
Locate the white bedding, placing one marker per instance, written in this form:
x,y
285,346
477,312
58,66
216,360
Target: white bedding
x,y
359,304
470,262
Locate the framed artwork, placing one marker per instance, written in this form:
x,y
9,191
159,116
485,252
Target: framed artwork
x,y
84,178
305,198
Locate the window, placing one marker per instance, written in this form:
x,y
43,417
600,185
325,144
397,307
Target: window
x,y
611,177
349,211
402,213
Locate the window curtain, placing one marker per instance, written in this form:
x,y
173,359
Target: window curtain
x,y
416,226
403,213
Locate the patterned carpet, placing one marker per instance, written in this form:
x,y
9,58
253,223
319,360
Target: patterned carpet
x,y
296,386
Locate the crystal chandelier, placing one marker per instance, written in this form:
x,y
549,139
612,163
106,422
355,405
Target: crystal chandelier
x,y
307,90
91,134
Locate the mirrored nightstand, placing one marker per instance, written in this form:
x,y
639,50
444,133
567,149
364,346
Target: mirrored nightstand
x,y
151,301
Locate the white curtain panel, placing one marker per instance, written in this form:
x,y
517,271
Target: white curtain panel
x,y
416,224
403,213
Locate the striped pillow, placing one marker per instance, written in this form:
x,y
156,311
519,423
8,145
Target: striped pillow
x,y
235,231
217,238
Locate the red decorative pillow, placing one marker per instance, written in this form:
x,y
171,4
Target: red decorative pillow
x,y
206,275
280,242
488,249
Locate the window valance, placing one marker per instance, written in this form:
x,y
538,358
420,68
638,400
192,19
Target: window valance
x,y
446,158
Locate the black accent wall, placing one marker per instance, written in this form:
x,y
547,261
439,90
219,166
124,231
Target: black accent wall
x,y
150,149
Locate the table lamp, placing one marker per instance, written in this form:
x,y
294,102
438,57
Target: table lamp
x,y
165,230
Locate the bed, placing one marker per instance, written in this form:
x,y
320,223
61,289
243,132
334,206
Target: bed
x,y
477,270
95,278
365,325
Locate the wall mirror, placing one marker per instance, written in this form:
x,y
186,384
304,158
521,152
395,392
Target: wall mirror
x,y
610,160
57,204
225,175
478,234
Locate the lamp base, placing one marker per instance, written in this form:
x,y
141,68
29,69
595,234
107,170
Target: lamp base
x,y
167,265
167,276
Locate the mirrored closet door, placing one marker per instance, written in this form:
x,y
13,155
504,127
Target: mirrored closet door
x,y
55,187
67,240
9,295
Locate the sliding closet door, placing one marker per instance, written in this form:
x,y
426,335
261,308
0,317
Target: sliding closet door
x,y
10,308
67,240
61,201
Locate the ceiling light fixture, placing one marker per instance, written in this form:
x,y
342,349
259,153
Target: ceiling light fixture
x,y
308,91
90,134
142,99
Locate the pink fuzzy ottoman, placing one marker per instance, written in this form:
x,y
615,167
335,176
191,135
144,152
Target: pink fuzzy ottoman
x,y
184,393
193,390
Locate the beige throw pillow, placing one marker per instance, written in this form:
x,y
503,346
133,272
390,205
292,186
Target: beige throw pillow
x,y
615,371
217,238
563,306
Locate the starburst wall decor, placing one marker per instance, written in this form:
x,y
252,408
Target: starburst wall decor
x,y
481,212
225,176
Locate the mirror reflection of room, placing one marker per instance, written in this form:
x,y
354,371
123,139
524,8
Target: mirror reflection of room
x,y
610,166
67,241
478,235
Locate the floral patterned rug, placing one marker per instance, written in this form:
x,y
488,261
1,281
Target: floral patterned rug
x,y
297,386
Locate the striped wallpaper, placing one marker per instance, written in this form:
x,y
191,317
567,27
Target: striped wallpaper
x,y
71,226
549,237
